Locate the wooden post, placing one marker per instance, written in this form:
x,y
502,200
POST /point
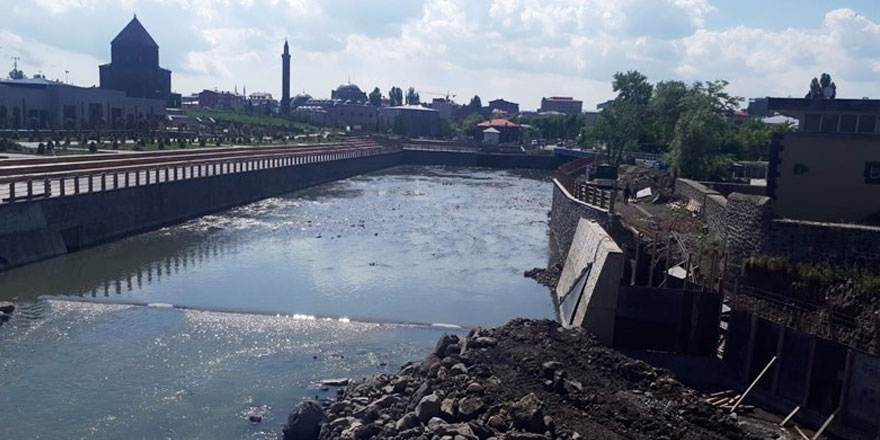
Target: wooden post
x,y
30,188
635,267
687,273
11,191
115,180
76,184
755,382
47,188
668,259
61,189
103,182
91,184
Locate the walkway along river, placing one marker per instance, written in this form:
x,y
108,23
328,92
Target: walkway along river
x,y
268,299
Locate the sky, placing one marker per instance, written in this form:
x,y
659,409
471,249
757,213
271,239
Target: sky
x,y
519,50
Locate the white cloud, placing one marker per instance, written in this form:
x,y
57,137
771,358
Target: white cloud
x,y
758,61
519,49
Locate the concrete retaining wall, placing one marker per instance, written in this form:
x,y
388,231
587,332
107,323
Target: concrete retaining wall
x,y
36,230
597,257
487,160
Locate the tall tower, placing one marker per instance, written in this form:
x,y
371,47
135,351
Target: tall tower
x,y
285,80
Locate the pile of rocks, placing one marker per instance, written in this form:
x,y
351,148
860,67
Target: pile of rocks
x,y
546,277
526,380
6,309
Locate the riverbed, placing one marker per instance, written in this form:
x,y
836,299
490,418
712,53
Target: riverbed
x,y
186,331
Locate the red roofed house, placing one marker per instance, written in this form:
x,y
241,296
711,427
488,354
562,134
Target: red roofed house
x,y
508,131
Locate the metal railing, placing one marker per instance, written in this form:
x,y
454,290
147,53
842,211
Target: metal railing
x,y
589,193
27,188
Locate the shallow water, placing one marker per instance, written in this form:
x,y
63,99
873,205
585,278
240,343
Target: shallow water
x,y
268,299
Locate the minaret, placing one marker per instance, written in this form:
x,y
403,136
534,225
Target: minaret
x,y
285,80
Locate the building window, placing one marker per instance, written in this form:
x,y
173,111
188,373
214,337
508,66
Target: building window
x,y
848,123
829,122
872,172
811,122
867,124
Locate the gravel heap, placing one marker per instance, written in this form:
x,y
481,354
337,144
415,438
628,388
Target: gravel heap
x,y
526,380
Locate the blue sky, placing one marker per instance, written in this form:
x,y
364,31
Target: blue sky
x,y
520,50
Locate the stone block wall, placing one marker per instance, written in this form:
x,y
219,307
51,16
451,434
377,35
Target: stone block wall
x,y
693,190
807,241
565,214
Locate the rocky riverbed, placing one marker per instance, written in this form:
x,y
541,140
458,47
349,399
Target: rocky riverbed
x,y
525,380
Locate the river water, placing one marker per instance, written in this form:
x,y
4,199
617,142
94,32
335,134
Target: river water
x,y
185,331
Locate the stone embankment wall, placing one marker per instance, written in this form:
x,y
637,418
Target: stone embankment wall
x,y
565,214
748,225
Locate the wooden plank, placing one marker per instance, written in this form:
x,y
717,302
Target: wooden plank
x,y
755,382
789,416
799,431
825,425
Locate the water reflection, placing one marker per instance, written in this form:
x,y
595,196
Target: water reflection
x,y
375,248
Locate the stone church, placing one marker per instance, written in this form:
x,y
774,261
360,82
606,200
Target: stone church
x,y
134,65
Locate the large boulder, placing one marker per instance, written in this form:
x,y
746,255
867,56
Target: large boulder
x,y
527,414
443,344
428,407
304,422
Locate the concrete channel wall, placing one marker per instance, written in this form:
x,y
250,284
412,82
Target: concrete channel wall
x,y
41,228
35,230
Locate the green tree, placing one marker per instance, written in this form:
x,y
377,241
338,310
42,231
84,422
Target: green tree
x,y
822,88
376,97
666,106
626,122
395,97
752,141
476,105
617,129
412,96
702,131
632,86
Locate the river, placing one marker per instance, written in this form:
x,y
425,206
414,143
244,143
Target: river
x,y
185,331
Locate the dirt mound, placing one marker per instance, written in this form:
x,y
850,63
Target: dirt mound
x,y
526,380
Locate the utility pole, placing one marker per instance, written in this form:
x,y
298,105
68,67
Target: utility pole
x,y
66,77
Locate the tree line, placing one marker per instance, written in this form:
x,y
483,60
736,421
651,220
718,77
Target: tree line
x,y
692,124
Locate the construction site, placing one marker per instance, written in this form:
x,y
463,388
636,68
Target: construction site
x,y
775,315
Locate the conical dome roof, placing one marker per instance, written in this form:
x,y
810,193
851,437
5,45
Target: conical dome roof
x,y
134,34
